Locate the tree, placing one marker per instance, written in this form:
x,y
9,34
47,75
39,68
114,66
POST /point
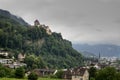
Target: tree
x,y
92,78
20,72
59,74
32,76
117,76
92,72
33,62
108,73
2,73
30,60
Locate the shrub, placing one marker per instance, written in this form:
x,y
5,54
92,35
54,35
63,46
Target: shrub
x,y
20,72
32,76
59,74
2,73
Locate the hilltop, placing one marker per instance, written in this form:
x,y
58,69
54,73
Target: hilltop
x,y
42,47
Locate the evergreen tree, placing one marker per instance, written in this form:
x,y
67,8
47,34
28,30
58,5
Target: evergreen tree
x,y
19,72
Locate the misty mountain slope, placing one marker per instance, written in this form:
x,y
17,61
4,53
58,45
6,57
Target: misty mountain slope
x,y
88,54
103,49
4,15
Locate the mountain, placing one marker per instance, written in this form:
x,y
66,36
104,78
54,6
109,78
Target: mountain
x,y
5,15
104,49
42,47
88,54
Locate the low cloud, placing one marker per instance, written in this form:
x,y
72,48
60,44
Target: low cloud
x,y
81,21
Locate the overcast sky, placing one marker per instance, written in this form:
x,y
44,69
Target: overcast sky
x,y
80,21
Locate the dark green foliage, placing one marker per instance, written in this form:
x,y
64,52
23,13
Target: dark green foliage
x,y
117,76
92,72
59,74
36,33
5,72
55,52
92,78
7,15
64,55
2,73
32,76
33,62
108,73
20,72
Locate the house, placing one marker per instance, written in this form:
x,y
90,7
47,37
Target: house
x,y
67,75
21,57
76,74
3,53
80,74
44,72
95,65
16,65
6,61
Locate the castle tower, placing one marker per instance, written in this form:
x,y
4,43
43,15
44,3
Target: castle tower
x,y
36,23
99,58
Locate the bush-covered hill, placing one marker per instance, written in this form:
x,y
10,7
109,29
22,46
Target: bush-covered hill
x,y
42,50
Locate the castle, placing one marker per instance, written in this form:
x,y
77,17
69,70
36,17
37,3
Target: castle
x,y
37,24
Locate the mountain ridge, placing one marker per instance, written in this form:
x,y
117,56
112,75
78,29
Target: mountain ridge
x,y
7,14
107,50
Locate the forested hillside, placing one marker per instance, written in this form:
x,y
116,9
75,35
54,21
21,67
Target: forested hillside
x,y
42,50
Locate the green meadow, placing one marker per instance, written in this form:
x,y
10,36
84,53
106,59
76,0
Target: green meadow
x,y
26,79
